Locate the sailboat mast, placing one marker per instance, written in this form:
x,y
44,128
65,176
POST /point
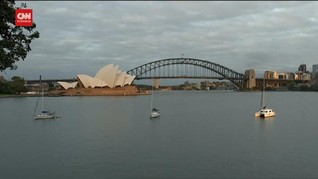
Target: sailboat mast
x,y
151,97
42,92
263,93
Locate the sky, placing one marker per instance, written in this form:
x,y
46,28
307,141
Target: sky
x,y
80,37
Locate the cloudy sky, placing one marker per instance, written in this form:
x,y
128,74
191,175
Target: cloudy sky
x,y
80,37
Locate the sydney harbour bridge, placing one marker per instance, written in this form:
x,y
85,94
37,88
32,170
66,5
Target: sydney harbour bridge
x,y
173,68
186,68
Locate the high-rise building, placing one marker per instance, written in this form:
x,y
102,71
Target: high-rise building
x,y
314,73
302,68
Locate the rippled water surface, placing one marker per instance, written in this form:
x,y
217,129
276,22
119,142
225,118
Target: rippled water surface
x,y
200,134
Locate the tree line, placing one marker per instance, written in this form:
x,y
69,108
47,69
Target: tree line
x,y
15,86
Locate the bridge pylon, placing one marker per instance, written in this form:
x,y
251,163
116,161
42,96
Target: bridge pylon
x,y
156,83
250,76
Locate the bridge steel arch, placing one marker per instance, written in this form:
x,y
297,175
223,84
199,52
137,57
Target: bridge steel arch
x,y
144,71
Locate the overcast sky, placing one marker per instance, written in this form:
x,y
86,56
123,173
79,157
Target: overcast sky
x,y
80,37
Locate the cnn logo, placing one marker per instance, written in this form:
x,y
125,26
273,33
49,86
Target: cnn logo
x,y
23,17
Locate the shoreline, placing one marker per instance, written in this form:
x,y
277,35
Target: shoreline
x,y
134,94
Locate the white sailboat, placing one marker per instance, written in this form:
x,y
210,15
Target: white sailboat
x,y
154,111
264,112
45,114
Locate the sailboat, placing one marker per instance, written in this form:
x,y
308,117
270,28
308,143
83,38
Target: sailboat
x,y
45,114
264,111
154,112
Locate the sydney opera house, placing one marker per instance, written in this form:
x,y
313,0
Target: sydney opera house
x,y
109,80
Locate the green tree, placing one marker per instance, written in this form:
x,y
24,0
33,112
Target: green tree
x,y
17,85
14,40
5,88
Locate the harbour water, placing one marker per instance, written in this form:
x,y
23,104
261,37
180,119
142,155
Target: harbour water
x,y
200,134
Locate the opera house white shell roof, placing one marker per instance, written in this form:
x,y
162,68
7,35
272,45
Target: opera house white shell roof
x,y
66,85
89,81
108,76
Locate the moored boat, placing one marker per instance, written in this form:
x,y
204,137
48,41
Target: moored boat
x,y
154,113
45,115
264,112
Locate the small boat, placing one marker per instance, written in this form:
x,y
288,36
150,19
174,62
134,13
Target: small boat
x,y
45,114
264,112
154,112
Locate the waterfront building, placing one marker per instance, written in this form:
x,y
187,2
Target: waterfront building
x,y
271,75
286,76
303,76
302,68
282,76
290,76
302,73
306,76
109,76
314,73
109,80
267,74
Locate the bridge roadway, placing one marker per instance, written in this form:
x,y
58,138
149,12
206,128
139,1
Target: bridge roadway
x,y
163,77
50,81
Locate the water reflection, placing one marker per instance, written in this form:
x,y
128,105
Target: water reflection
x,y
265,129
265,122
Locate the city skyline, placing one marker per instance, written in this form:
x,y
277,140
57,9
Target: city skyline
x,y
80,37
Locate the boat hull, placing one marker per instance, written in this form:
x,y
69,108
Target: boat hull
x,y
45,116
154,114
265,113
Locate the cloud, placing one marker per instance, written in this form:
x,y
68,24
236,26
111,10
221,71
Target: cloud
x,y
81,36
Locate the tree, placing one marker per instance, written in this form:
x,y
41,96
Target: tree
x,y
14,40
17,85
5,88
